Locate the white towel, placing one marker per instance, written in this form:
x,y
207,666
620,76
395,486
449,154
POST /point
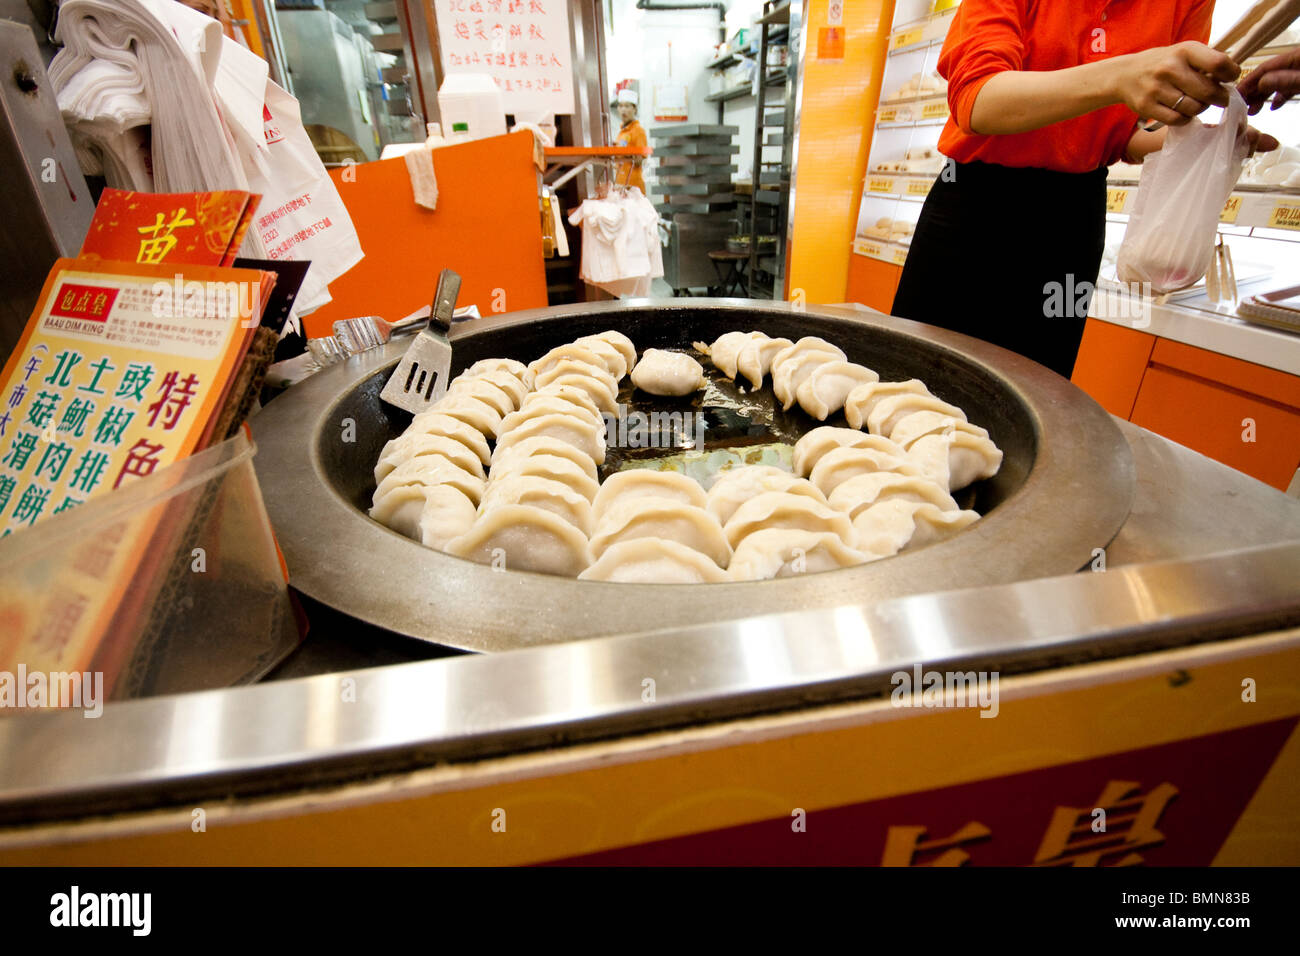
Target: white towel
x,y
217,123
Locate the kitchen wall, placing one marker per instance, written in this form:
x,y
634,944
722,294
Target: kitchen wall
x,y
637,45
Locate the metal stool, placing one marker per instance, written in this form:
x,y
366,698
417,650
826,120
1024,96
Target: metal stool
x,y
730,267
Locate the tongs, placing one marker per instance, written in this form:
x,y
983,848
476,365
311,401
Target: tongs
x,y
1221,279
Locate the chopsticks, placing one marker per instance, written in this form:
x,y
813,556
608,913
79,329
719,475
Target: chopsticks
x,y
1262,24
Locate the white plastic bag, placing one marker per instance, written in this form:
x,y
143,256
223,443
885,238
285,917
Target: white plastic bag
x,y
1170,237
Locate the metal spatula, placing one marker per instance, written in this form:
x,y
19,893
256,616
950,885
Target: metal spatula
x,y
420,378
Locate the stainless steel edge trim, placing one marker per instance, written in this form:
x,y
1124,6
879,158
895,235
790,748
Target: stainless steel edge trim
x,y
280,735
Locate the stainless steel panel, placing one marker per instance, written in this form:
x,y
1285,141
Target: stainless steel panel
x,y
174,750
45,204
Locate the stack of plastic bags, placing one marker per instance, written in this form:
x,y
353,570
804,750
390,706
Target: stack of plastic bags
x,y
156,98
620,242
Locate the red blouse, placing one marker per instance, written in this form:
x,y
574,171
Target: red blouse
x,y
990,36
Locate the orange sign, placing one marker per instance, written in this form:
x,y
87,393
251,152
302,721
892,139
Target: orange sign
x,y
830,43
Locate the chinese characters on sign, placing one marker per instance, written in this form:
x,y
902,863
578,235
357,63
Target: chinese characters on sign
x,y
1109,834
522,44
106,387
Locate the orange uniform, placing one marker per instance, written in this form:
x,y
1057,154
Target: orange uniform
x,y
990,36
629,174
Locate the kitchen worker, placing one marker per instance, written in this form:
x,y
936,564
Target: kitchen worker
x,y
1043,97
631,134
1278,78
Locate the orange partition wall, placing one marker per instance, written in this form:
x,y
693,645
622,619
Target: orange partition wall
x,y
487,227
835,125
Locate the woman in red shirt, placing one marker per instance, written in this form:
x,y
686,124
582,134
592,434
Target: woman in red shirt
x,y
1044,96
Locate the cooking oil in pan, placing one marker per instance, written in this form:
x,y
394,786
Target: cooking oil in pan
x,y
725,425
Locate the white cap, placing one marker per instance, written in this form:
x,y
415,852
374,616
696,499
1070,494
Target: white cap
x,y
626,96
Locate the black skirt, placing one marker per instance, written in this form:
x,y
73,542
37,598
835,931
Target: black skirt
x,y
1009,256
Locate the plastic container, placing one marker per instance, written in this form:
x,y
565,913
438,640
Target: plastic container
x,y
471,107
172,583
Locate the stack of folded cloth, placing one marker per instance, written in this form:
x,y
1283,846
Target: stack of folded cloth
x,y
158,99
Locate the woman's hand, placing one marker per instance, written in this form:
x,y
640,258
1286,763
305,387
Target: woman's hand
x,y
1260,142
1171,84
1278,77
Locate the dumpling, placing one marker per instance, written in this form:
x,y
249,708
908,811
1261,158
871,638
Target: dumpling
x,y
668,373
549,405
780,509
823,392
615,362
863,398
863,491
574,351
447,514
474,412
792,365
567,367
430,470
786,552
810,448
661,518
754,360
838,466
564,393
956,459
545,493
431,514
738,485
518,369
415,446
581,434
564,470
434,422
654,561
919,424
809,343
602,391
888,527
645,483
504,459
620,342
485,390
502,379
890,411
724,353
524,538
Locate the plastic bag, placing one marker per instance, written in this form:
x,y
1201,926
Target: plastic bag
x,y
1169,242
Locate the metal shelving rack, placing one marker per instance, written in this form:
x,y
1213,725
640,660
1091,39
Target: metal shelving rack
x,y
771,195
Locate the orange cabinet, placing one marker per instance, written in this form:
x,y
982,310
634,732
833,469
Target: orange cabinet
x,y
872,282
1242,414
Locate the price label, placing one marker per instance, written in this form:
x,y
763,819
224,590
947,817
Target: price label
x,y
880,184
919,187
1116,200
908,37
1286,215
866,248
934,109
900,255
1230,209
889,114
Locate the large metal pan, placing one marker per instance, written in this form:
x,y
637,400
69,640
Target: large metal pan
x,y
1065,487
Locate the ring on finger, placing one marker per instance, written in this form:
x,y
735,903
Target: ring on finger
x,y
1178,102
